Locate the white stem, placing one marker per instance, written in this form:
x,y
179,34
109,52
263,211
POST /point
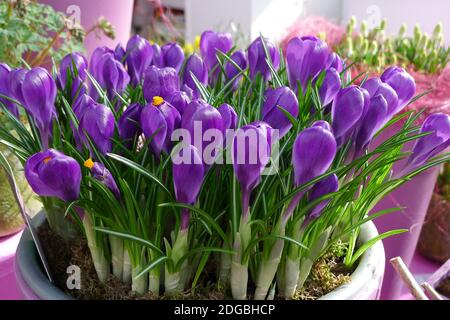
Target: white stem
x,y
116,245
126,271
239,272
305,268
153,281
138,285
268,270
171,282
225,268
100,263
292,270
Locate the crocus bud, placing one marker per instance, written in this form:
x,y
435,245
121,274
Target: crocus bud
x,y
179,99
312,154
376,87
139,55
81,104
128,124
231,71
102,174
431,145
325,186
115,77
39,94
51,173
98,123
272,114
16,78
306,57
257,58
403,84
72,65
347,108
334,61
373,120
200,121
5,90
251,154
119,53
160,82
173,55
323,124
210,43
158,120
96,62
229,116
188,173
195,66
330,86
158,57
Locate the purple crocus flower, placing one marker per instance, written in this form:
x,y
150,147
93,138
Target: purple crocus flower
x,y
200,122
373,120
66,68
102,174
257,58
231,71
160,82
347,109
119,53
51,173
272,114
158,120
139,55
229,116
188,173
5,90
432,144
96,62
179,99
115,77
173,55
312,155
251,154
334,61
98,123
330,86
39,94
375,86
81,104
325,186
403,84
158,57
16,79
210,43
323,124
128,124
197,67
306,58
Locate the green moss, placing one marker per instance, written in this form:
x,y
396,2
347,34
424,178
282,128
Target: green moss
x,y
327,273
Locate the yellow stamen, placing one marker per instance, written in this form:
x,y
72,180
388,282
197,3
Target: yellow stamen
x,y
157,100
197,43
89,163
47,159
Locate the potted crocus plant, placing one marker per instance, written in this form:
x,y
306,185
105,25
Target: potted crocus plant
x,y
426,58
239,173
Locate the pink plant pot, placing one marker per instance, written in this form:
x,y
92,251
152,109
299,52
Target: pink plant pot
x,y
8,286
414,198
118,12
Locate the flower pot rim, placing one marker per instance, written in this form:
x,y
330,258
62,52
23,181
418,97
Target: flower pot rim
x,y
31,276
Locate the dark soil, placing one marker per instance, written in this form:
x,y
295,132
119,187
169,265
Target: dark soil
x,y
328,274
